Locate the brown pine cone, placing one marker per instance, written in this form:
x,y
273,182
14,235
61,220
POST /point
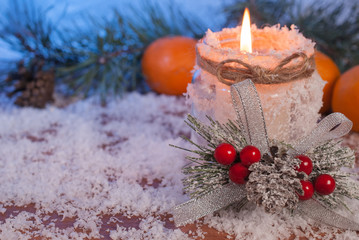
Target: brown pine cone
x,y
36,86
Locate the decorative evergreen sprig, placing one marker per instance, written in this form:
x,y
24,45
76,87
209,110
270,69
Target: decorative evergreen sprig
x,y
275,172
28,29
333,25
111,58
330,158
103,59
207,174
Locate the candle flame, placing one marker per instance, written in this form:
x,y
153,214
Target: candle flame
x,y
246,38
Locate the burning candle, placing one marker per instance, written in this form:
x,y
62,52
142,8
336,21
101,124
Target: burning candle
x,y
279,61
246,38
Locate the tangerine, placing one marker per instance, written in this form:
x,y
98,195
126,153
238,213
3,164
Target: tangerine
x,y
167,64
329,72
346,97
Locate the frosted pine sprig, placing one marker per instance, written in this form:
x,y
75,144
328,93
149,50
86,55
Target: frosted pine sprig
x,y
332,158
331,155
206,175
217,133
204,178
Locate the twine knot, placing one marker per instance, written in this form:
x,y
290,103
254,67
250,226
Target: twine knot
x,y
229,73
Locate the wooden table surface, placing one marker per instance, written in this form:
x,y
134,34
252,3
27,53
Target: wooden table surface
x,y
110,222
118,219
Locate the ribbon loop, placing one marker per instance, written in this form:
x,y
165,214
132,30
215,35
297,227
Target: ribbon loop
x,y
249,111
208,203
333,126
316,211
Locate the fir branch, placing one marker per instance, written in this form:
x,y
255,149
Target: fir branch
x,y
207,174
27,28
262,11
330,158
204,178
104,59
217,133
116,50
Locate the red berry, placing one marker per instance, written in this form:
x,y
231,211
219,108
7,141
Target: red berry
x,y
249,155
324,184
308,190
225,154
238,173
306,165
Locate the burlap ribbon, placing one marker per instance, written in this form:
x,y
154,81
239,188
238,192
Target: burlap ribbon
x,y
232,71
250,115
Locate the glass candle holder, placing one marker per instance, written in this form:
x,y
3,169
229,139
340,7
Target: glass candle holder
x,y
291,109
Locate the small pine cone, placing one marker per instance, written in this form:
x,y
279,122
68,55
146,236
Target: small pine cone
x,y
38,91
26,94
35,92
20,85
40,83
32,86
274,182
22,70
39,75
19,101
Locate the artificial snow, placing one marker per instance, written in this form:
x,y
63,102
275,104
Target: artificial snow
x,y
93,165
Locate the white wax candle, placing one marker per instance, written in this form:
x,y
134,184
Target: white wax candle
x,y
290,109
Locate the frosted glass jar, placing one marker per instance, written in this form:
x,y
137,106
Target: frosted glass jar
x,y
290,108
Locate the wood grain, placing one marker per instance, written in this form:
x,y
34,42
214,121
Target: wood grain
x,y
110,222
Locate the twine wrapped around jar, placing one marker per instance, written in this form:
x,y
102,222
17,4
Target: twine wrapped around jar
x,y
283,72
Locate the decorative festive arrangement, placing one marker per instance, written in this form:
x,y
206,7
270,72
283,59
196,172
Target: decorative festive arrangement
x,y
253,112
240,164
299,169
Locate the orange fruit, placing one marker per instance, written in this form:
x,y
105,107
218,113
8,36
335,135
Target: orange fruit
x,y
329,72
167,64
346,96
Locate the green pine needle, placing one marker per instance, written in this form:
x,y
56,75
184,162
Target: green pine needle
x,y
103,60
207,174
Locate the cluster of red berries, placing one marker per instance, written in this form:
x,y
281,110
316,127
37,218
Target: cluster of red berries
x,y
324,184
226,154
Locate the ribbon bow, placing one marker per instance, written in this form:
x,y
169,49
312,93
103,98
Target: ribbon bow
x,y
251,119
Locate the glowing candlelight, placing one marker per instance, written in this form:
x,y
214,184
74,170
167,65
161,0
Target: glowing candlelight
x,y
246,39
